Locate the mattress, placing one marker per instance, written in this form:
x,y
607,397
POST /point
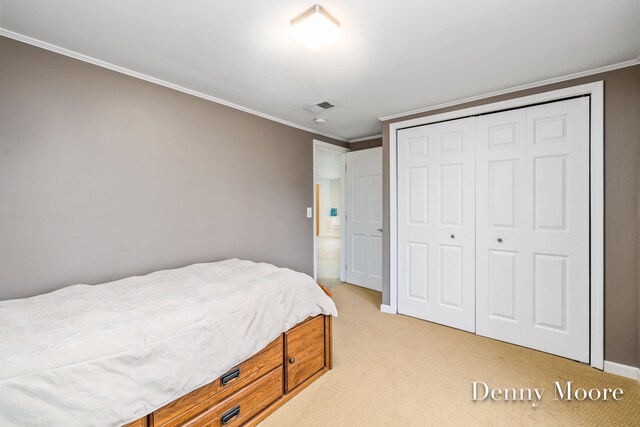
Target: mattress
x,y
111,353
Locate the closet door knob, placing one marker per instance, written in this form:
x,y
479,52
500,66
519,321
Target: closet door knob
x,y
499,239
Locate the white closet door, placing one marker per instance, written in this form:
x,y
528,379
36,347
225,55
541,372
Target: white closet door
x,y
558,238
502,267
533,227
436,223
364,218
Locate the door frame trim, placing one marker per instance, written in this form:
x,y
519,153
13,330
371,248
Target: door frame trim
x,y
343,150
596,163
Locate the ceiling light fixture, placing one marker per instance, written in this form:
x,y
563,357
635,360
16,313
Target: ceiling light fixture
x,y
315,28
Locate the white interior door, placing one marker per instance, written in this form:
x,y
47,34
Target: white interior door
x,y
364,218
436,223
533,227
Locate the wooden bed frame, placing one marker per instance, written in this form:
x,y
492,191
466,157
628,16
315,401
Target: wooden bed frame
x,y
255,388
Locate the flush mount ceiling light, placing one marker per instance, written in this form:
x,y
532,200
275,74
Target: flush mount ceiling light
x,y
315,28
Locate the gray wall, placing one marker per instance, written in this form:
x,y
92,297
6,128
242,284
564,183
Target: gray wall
x,y
104,176
364,145
622,206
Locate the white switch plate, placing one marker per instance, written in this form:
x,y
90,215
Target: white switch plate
x,y
309,212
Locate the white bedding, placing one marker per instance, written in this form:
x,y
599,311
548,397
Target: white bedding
x,y
111,353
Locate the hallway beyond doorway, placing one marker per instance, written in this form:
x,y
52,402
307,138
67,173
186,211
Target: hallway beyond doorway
x,y
328,256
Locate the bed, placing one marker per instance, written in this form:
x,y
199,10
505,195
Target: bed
x,y
221,343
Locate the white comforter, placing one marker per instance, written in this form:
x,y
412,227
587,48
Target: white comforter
x,y
109,354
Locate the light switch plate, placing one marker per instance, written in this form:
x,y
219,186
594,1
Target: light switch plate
x,y
309,212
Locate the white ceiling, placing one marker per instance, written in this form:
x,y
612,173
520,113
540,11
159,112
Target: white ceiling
x,y
394,56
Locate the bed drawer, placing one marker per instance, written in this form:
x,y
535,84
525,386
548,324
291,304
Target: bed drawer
x,y
240,407
304,351
142,422
192,404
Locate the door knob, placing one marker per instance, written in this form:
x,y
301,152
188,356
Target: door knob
x,y
453,236
499,239
379,230
292,360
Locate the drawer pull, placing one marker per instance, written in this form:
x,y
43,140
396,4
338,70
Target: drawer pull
x,y
229,415
224,380
292,360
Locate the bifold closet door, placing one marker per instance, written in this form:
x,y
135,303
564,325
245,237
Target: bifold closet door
x,y
436,223
533,227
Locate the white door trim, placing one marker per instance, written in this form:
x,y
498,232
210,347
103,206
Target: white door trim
x,y
343,150
596,91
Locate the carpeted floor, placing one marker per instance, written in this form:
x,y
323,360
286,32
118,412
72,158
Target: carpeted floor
x,y
396,371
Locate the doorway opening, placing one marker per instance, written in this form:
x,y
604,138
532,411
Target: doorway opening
x,y
328,213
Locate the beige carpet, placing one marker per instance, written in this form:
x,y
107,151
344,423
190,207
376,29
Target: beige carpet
x,y
396,371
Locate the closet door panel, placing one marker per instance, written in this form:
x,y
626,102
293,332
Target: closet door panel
x,y
503,185
436,226
502,269
501,217
533,227
415,216
558,238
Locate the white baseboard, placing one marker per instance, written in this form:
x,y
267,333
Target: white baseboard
x,y
622,370
386,309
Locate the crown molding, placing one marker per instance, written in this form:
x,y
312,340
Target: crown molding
x,y
365,138
122,70
514,89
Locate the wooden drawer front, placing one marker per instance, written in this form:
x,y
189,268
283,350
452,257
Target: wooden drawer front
x,y
243,405
190,405
142,422
304,351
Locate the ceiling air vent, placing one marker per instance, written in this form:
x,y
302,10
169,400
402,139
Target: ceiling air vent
x,y
320,107
326,105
